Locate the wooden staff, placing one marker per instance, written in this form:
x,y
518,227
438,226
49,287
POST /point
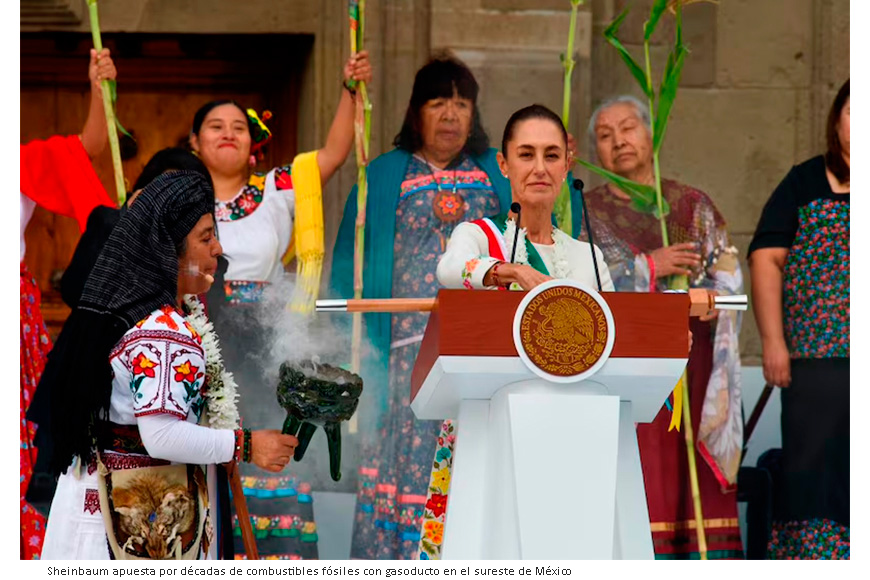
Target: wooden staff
x,y
108,108
242,511
377,305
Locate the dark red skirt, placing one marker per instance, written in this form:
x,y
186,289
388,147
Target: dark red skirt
x,y
665,465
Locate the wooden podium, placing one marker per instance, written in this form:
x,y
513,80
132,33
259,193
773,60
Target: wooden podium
x,y
546,470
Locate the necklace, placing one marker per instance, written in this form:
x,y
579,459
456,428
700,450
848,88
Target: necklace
x,y
448,206
561,268
221,410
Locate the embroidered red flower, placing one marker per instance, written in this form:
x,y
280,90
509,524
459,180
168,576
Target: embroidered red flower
x,y
437,503
283,180
166,317
186,372
142,365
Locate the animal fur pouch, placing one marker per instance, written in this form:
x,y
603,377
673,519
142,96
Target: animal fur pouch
x,y
154,513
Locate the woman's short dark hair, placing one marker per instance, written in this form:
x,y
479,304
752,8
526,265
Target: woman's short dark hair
x,y
204,110
170,159
441,78
531,112
834,155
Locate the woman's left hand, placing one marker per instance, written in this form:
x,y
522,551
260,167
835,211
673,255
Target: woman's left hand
x,y
358,68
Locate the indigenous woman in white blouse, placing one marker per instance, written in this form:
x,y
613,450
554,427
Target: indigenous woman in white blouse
x,y
256,217
136,411
535,158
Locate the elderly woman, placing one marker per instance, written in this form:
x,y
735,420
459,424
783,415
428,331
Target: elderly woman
x,y
799,261
441,172
700,249
138,401
534,157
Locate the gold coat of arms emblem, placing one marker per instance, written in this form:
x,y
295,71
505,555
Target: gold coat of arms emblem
x,y
564,331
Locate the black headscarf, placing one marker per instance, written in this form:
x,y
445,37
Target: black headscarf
x,y
135,274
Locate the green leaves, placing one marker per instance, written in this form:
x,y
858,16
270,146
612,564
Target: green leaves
x,y
562,210
658,8
668,94
643,197
634,68
670,84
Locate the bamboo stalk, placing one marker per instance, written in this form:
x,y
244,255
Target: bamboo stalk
x,y
693,470
563,202
362,137
108,108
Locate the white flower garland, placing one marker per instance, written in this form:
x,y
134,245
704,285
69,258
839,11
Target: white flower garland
x,y
561,268
220,397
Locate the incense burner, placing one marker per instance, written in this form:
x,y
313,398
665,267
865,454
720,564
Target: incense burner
x,y
318,395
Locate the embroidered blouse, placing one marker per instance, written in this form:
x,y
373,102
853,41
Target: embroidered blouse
x,y
467,259
256,226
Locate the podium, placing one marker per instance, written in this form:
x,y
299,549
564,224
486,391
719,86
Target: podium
x,y
546,470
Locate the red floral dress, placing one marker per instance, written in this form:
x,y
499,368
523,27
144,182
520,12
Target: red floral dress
x,y
34,346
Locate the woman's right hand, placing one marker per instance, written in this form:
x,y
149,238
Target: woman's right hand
x,y
776,363
526,276
676,259
271,450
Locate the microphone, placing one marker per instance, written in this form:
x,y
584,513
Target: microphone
x,y
578,185
515,207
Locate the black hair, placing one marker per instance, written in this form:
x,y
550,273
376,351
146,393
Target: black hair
x,y
204,110
169,159
834,155
531,112
441,78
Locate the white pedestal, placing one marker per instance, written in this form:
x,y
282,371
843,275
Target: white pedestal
x,y
546,472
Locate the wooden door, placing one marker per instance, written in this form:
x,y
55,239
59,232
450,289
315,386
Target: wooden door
x,y
162,81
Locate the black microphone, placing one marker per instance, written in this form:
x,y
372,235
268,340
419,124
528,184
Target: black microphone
x,y
578,185
515,207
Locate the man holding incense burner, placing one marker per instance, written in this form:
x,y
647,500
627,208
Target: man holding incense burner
x,y
701,250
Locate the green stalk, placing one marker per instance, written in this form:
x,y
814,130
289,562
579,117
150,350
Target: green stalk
x,y
108,108
656,170
362,135
563,201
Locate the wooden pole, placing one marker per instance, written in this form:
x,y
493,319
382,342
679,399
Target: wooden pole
x,y
242,511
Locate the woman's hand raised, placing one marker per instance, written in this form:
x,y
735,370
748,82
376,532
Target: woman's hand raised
x,y
358,68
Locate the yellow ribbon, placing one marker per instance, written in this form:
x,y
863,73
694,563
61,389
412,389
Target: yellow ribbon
x,y
677,412
307,245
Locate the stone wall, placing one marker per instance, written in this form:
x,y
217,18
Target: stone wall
x,y
755,92
754,98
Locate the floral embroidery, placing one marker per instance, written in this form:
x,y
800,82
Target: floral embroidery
x,y
434,531
220,396
467,271
142,365
244,203
244,291
437,503
186,372
166,318
434,514
283,178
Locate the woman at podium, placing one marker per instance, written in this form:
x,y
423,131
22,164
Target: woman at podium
x,y
491,253
488,253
